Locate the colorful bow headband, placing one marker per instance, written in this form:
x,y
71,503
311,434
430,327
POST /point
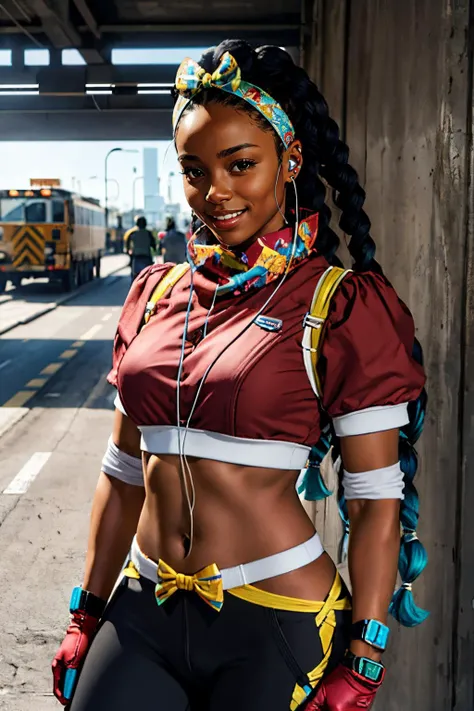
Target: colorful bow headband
x,y
192,78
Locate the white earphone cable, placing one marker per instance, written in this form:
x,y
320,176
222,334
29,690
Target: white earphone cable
x,y
184,465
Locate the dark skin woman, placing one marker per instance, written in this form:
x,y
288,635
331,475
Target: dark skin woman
x,y
237,180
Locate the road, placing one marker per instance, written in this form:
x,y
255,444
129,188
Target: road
x,y
55,415
37,296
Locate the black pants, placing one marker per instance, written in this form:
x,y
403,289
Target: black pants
x,y
185,656
139,263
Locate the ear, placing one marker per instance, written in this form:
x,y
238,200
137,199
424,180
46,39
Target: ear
x,y
292,161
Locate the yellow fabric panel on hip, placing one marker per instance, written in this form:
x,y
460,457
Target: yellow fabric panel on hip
x,y
325,623
130,571
292,604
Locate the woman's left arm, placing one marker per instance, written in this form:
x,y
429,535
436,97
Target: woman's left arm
x,y
373,557
375,533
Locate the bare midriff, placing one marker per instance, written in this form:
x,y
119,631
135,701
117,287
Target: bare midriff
x,y
241,514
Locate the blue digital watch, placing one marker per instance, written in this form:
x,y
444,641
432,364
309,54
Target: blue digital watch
x,y
86,602
372,632
368,668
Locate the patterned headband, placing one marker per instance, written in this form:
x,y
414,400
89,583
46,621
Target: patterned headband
x,y
192,78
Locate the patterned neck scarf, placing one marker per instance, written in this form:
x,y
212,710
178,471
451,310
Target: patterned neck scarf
x,y
265,260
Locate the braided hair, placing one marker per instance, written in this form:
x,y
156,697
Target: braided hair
x,y
326,158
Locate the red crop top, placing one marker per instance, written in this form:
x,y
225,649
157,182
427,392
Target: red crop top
x,y
257,396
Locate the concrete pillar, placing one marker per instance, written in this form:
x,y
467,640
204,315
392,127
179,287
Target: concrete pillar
x,y
398,78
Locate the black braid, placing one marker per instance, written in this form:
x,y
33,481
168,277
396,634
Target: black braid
x,y
326,154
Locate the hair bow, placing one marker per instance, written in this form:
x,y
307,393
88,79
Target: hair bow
x,y
191,77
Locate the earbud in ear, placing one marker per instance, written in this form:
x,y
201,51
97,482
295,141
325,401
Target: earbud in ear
x,y
292,164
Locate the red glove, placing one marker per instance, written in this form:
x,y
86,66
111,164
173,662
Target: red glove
x,y
344,690
73,650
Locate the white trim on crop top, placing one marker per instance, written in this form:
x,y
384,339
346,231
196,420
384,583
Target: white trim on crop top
x,y
274,454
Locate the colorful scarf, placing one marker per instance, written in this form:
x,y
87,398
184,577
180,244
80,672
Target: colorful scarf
x,y
265,260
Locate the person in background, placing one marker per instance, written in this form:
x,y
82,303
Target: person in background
x,y
173,244
140,243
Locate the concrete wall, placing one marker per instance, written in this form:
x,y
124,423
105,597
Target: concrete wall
x,y
398,76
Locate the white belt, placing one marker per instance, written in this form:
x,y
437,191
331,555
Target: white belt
x,y
248,573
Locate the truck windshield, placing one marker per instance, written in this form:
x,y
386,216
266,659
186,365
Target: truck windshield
x,y
23,209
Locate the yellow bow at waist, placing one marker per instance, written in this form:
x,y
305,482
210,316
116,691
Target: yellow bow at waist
x,y
207,583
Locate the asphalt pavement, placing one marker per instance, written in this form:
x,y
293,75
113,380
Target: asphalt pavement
x,y
38,296
55,419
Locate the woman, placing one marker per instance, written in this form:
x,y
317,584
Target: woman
x,y
214,395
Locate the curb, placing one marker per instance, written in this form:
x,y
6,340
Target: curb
x,y
68,297
7,422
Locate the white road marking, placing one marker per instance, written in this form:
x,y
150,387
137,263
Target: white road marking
x,y
107,316
6,362
28,473
91,332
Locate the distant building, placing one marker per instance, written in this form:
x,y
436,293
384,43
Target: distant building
x,y
153,201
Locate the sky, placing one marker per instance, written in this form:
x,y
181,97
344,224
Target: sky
x,y
80,166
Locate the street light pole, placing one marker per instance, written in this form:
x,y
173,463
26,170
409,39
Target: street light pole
x,y
112,150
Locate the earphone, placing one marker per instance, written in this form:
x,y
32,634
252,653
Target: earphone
x,y
292,164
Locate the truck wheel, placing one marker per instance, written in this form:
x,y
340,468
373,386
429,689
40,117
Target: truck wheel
x,y
70,279
85,271
97,267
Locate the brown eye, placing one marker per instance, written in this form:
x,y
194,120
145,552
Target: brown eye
x,y
242,165
192,173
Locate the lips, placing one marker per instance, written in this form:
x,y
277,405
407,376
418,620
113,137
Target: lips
x,y
227,220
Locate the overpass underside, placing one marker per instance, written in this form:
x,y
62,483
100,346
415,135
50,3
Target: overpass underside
x,y
102,99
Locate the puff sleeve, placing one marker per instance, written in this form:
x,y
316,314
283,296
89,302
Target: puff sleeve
x,y
132,316
366,366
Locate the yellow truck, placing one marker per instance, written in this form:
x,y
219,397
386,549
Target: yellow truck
x,y
50,232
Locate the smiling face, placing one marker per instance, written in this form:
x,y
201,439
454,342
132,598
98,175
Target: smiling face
x,y
230,172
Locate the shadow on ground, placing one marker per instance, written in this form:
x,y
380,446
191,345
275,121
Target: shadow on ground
x,y
96,293
70,386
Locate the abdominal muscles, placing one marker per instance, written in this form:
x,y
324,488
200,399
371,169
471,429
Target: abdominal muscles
x,y
241,514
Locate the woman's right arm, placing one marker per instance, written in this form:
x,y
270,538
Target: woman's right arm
x,y
115,512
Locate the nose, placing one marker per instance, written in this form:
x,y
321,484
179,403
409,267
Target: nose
x,y
218,192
